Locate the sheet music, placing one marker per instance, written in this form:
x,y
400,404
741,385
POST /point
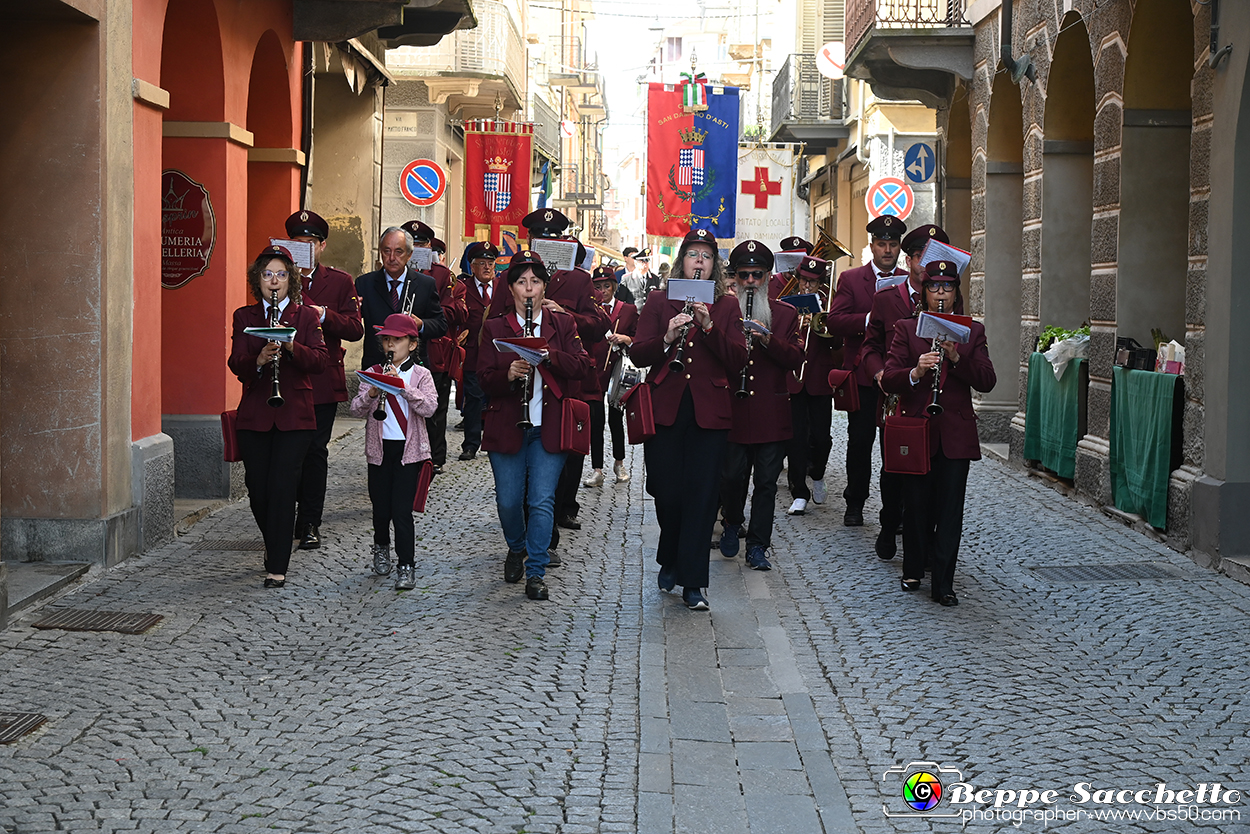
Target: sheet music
x,y
385,387
691,289
301,251
556,254
930,326
530,355
284,335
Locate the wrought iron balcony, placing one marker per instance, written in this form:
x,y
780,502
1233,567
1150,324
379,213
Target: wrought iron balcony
x,y
909,49
546,128
806,106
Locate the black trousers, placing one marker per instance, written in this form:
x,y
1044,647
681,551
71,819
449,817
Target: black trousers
x,y
436,423
683,476
766,458
392,489
861,430
566,489
615,419
934,521
808,450
473,402
272,463
312,484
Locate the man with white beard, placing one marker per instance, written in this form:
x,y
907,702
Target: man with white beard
x,y
761,405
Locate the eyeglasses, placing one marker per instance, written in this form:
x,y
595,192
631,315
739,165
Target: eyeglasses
x,y
483,261
697,255
268,274
941,286
746,275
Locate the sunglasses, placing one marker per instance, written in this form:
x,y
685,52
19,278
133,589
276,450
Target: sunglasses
x,y
746,275
942,286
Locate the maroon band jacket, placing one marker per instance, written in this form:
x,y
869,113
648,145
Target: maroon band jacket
x,y
851,305
335,290
712,360
296,369
763,415
567,363
624,321
954,431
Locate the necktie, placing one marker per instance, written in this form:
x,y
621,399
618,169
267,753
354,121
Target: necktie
x,y
395,294
486,293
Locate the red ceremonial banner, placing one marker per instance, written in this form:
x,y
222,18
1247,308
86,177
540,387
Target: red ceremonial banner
x,y
497,164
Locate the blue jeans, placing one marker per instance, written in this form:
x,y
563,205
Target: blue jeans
x,y
539,470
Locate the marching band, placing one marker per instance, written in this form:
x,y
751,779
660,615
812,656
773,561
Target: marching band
x,y
724,372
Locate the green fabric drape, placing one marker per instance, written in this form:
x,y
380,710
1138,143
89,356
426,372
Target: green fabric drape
x,y
1142,413
1053,415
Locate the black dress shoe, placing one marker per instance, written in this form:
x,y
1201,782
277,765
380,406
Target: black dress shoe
x,y
275,583
885,546
311,540
568,523
853,517
467,454
436,469
514,566
948,600
535,588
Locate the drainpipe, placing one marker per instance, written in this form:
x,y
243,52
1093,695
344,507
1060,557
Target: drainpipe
x,y
1022,68
306,129
861,147
1217,54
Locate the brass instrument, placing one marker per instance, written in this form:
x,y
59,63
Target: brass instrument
x,y
379,413
742,391
830,248
525,422
275,392
933,409
678,364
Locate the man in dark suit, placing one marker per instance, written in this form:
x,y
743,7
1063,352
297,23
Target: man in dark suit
x,y
394,288
761,418
848,318
332,296
889,306
442,351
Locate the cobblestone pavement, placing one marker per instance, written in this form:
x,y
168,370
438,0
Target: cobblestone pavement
x,y
339,705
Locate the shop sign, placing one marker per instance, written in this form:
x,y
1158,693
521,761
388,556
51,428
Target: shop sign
x,y
188,229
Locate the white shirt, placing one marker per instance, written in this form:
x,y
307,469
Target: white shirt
x,y
390,426
536,380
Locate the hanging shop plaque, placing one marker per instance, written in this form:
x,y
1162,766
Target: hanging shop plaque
x,y
188,229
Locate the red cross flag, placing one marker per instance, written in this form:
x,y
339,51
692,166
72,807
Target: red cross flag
x,y
765,193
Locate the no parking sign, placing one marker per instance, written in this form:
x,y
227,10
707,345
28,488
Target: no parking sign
x,y
422,182
890,195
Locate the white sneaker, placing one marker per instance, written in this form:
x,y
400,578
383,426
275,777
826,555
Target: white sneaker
x,y
818,491
799,507
621,475
594,479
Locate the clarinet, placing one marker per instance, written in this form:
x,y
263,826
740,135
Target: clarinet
x,y
524,422
275,393
934,408
379,413
742,392
679,361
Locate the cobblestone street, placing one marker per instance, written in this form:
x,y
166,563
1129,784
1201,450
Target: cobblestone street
x,y
339,705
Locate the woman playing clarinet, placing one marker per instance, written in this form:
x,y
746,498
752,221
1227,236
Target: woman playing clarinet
x,y
276,420
936,379
692,412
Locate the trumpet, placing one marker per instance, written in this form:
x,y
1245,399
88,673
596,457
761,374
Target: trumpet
x,y
933,409
525,422
379,413
275,392
742,391
678,364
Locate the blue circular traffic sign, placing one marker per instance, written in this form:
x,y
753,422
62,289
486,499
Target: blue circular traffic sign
x,y
422,182
919,163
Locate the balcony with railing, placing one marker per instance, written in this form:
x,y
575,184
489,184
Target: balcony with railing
x,y
806,106
909,49
546,128
469,68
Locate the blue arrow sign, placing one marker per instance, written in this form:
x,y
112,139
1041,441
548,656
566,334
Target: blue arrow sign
x,y
919,163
